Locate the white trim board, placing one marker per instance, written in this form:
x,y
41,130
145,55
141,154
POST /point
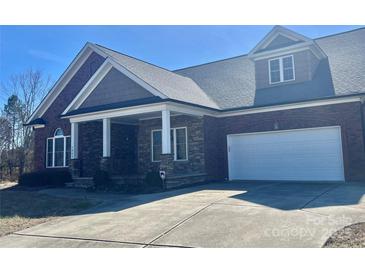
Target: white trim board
x,y
290,50
79,60
280,130
276,31
71,70
291,106
197,111
89,86
141,109
279,30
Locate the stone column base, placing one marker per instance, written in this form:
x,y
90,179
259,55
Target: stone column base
x,y
167,164
75,167
106,164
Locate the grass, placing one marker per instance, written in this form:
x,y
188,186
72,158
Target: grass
x,y
349,236
23,209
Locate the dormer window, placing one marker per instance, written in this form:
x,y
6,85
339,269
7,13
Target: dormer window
x,y
281,69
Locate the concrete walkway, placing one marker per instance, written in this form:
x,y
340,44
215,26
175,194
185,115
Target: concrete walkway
x,y
235,214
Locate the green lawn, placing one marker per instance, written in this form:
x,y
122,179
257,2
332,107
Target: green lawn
x,y
23,209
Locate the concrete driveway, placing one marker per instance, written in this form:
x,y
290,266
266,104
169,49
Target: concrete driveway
x,y
234,214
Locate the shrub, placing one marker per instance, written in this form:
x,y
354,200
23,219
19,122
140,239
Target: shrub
x,y
153,181
102,180
45,178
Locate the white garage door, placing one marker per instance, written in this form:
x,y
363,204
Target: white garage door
x,y
305,154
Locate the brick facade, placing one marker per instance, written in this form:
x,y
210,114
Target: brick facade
x,y
90,147
207,136
213,148
52,115
207,140
348,116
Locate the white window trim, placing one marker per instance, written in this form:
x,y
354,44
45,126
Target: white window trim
x,y
53,151
152,159
186,138
174,144
281,68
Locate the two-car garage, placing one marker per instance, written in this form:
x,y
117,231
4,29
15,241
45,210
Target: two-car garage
x,y
313,154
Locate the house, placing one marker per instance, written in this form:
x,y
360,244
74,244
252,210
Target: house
x,y
291,109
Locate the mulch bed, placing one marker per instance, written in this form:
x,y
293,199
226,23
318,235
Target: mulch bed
x,y
349,236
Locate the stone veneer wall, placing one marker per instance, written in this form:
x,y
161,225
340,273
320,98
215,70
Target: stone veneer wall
x,y
195,132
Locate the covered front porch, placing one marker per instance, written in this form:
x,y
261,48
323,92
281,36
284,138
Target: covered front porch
x,y
129,144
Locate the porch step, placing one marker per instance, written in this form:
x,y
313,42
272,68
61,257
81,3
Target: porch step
x,y
190,179
85,182
172,182
81,182
130,179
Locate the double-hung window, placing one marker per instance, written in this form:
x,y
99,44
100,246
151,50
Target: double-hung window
x,y
58,150
281,69
179,146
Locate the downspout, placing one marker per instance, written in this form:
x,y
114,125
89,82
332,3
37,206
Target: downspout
x,y
362,110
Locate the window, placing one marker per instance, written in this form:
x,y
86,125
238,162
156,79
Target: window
x,y
156,145
281,69
275,71
180,144
58,150
179,147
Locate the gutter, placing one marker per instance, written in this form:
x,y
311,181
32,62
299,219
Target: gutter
x,y
360,94
231,111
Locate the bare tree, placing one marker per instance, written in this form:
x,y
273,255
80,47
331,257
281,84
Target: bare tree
x,y
25,91
30,87
5,129
5,140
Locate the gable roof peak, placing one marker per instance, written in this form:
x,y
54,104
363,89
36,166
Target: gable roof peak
x,y
276,32
281,40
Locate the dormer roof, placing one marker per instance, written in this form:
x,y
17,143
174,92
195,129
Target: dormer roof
x,y
281,40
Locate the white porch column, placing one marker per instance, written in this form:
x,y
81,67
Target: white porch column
x,y
106,137
166,132
74,140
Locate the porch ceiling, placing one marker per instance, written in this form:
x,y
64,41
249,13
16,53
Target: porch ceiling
x,y
140,112
133,119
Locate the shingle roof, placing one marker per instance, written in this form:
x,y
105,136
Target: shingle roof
x,y
173,85
346,56
231,82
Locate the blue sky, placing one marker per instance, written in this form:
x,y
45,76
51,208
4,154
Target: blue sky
x,y
52,48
